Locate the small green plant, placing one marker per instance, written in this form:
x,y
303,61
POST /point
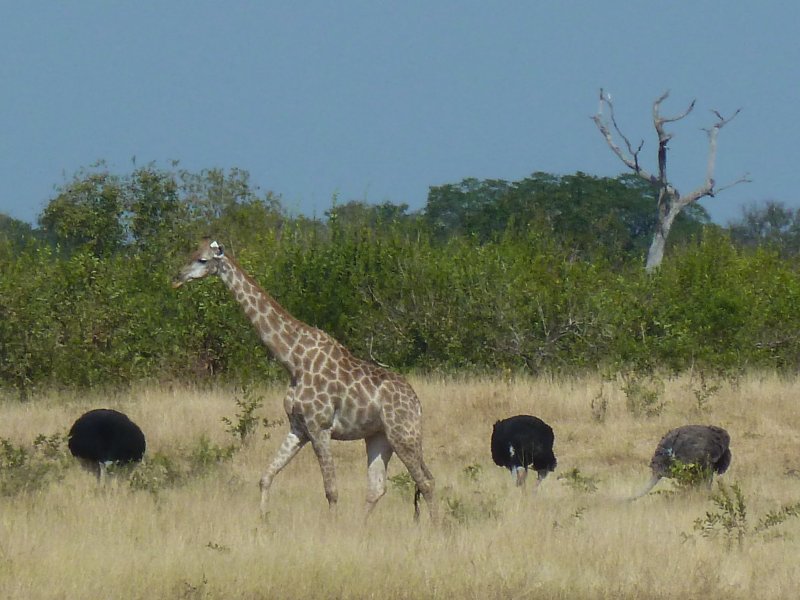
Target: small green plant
x,y
704,390
774,518
473,472
578,482
689,475
729,520
599,407
11,456
24,469
474,509
245,422
155,473
218,547
206,455
269,424
193,591
52,446
574,518
403,483
643,393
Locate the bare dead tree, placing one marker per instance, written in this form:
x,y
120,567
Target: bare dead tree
x,y
670,201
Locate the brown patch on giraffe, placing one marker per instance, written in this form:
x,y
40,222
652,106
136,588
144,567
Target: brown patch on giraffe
x,y
307,395
336,352
334,388
345,378
279,348
296,357
359,390
318,361
286,335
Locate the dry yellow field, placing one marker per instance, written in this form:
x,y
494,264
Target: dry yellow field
x,y
204,538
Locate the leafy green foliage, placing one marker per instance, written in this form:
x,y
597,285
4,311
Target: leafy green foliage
x,y
729,520
465,510
591,216
689,475
772,225
155,473
14,235
87,213
703,389
473,472
26,469
643,393
206,455
578,482
161,470
541,275
403,484
245,422
774,518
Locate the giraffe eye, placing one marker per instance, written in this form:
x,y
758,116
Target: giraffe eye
x,y
202,260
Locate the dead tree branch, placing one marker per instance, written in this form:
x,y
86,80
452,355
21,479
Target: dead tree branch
x,y
670,202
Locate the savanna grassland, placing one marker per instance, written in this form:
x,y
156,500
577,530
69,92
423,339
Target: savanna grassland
x,y
185,524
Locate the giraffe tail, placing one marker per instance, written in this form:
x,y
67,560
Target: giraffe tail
x,y
417,494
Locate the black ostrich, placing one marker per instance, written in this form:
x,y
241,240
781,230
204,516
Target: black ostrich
x,y
704,445
523,441
103,436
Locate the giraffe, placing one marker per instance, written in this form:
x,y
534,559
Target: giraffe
x,y
332,394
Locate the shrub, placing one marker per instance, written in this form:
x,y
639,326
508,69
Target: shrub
x,y
730,518
27,469
245,421
579,482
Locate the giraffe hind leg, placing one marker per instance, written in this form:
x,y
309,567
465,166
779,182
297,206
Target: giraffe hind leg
x,y
379,452
411,455
321,442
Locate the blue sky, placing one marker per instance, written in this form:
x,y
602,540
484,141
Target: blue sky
x,y
378,101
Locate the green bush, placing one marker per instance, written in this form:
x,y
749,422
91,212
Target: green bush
x,y
27,469
98,310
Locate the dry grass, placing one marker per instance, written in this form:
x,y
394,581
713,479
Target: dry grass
x,y
204,539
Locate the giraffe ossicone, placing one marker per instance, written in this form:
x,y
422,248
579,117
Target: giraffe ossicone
x,y
332,394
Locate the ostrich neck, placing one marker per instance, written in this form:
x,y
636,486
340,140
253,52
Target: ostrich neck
x,y
279,331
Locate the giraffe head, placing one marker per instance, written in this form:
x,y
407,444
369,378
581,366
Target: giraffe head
x,y
204,261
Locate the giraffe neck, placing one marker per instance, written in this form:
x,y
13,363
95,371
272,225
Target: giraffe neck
x,y
279,331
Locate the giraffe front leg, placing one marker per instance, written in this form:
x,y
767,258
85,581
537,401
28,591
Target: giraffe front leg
x,y
291,445
321,442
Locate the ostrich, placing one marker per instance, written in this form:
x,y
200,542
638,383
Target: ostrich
x,y
103,436
523,441
703,445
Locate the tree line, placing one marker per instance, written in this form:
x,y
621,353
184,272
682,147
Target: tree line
x,y
539,275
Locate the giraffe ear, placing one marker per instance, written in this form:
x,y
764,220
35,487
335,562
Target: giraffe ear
x,y
218,247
